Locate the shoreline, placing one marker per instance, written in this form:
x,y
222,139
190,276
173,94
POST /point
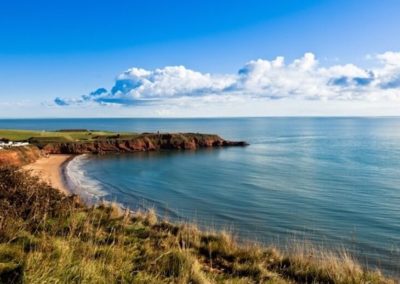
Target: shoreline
x,y
63,174
51,170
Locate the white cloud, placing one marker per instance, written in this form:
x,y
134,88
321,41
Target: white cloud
x,y
388,77
302,79
390,58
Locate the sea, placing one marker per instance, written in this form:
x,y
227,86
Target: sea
x,y
332,183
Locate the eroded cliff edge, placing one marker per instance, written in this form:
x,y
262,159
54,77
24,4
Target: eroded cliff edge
x,y
140,142
19,156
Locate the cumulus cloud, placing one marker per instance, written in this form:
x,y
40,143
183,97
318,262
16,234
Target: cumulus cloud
x,y
303,79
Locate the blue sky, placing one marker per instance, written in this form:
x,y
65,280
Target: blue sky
x,y
69,49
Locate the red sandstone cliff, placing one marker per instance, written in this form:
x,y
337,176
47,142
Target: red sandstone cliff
x,y
143,142
19,156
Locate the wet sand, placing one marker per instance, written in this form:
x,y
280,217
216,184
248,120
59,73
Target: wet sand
x,y
49,169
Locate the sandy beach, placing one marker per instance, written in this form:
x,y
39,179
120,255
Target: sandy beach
x,y
49,169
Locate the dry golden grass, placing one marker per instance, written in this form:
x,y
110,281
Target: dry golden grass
x,y
46,237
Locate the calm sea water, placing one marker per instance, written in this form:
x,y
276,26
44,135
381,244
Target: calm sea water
x,y
330,181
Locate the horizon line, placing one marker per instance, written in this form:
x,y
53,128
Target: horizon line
x,y
207,117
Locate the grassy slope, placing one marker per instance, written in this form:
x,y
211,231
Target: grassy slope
x,y
57,136
46,237
19,156
74,136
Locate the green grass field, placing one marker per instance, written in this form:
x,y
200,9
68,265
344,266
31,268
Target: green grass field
x,y
59,136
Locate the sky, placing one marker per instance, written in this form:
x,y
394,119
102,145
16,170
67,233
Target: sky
x,y
199,58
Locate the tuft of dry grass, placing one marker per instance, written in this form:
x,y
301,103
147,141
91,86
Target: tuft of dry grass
x,y
47,237
307,264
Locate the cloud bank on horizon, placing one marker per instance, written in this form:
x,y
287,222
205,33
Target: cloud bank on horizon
x,y
303,79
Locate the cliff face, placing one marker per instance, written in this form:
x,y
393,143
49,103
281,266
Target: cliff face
x,y
143,142
19,156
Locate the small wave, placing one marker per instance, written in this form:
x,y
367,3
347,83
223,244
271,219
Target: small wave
x,y
80,183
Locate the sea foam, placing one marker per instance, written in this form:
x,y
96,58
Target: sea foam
x,y
80,183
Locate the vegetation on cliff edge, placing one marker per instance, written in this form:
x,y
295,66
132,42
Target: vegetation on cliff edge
x,y
47,237
57,136
77,141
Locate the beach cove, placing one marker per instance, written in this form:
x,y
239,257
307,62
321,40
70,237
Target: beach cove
x,y
50,169
322,180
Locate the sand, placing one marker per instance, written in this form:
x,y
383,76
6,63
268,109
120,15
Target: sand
x,y
49,169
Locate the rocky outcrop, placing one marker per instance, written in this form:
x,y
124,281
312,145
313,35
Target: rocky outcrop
x,y
142,142
19,156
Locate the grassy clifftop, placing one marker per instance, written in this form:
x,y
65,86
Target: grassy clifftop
x,y
47,237
68,135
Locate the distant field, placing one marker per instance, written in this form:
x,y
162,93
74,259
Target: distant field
x,y
59,136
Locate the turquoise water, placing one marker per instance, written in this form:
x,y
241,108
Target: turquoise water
x,y
330,181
